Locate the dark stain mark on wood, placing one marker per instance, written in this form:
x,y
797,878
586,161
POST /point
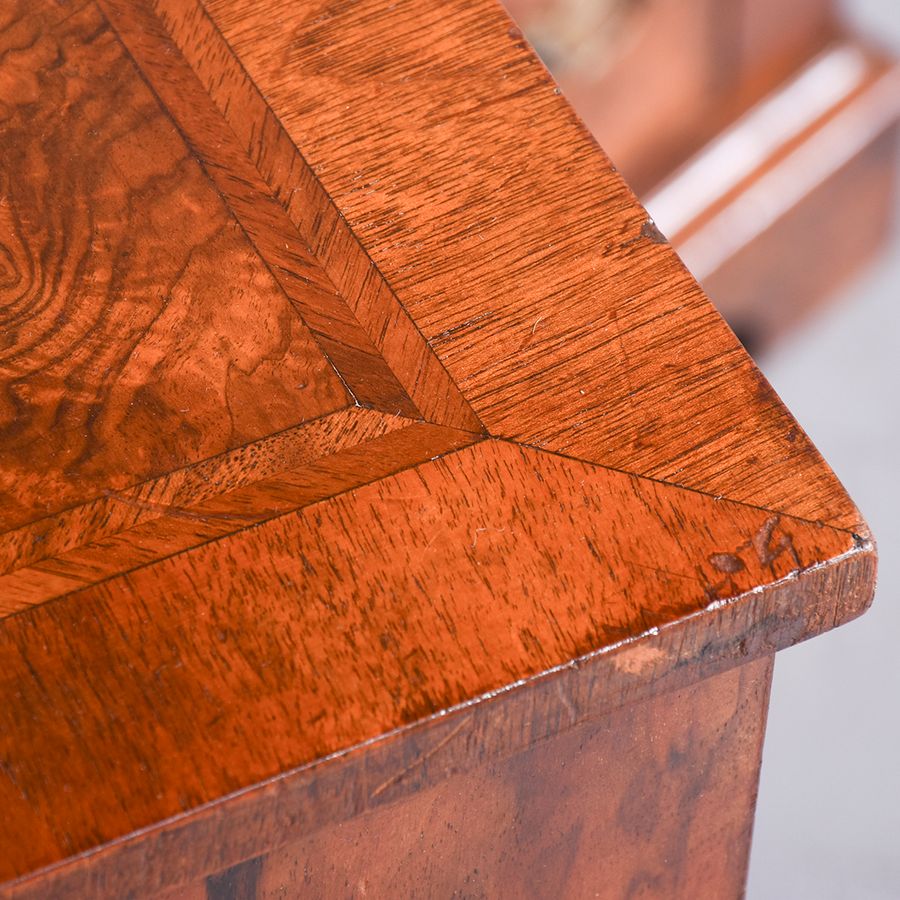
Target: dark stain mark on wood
x,y
768,548
650,231
240,882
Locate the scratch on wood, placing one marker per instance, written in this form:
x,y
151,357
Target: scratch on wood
x,y
530,337
479,531
418,763
566,701
165,509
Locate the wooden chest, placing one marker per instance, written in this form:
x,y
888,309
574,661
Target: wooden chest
x,y
385,509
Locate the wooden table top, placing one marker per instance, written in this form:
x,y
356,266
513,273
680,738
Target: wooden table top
x,y
356,425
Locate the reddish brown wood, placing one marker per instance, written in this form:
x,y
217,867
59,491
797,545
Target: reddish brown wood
x,y
140,327
655,799
150,521
628,556
275,196
531,479
520,328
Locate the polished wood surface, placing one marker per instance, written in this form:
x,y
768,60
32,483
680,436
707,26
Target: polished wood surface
x,y
359,431
654,799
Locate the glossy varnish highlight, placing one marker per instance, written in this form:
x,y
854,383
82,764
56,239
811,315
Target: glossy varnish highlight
x,y
358,432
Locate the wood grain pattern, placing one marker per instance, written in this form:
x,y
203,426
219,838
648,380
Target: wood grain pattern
x,y
235,611
715,137
202,325
276,196
222,495
249,823
614,807
579,327
583,822
140,330
537,574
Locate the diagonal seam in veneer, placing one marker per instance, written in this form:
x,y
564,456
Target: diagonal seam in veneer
x,y
861,535
225,200
43,549
449,387
358,243
728,651
572,666
859,542
267,110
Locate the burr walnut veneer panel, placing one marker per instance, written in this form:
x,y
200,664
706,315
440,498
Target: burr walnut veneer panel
x,y
362,442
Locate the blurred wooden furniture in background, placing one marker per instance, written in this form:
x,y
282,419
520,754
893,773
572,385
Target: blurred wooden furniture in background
x,y
760,135
385,508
